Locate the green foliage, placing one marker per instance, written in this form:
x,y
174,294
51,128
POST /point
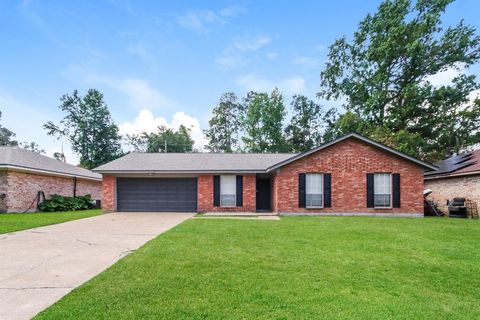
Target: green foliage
x,y
304,131
165,140
225,125
89,127
6,136
61,203
383,74
263,122
32,146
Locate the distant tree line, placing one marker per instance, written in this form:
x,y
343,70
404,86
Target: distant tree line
x,y
381,75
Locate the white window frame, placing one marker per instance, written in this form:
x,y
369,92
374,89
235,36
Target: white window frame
x,y
391,190
321,187
223,181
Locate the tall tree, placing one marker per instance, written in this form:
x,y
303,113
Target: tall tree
x,y
6,136
32,146
225,125
164,140
304,131
383,73
89,127
263,122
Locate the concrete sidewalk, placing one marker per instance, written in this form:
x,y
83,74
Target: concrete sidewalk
x,y
39,266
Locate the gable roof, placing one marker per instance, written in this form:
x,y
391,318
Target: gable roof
x,y
225,162
193,162
457,165
361,138
15,158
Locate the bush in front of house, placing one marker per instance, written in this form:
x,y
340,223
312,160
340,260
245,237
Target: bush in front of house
x,y
61,203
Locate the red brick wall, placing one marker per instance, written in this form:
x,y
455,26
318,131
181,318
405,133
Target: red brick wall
x,y
349,162
3,191
454,187
109,193
23,187
205,195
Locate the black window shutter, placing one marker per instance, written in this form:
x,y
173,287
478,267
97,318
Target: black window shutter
x,y
239,191
216,191
327,190
301,190
370,191
396,190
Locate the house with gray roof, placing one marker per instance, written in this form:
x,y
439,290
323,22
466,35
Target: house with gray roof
x,y
24,174
351,175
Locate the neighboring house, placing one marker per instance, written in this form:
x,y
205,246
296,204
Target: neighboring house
x,y
24,173
351,175
456,177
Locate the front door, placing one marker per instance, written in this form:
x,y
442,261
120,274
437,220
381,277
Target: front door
x,y
264,194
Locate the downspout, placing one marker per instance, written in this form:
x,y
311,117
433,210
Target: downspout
x,y
74,186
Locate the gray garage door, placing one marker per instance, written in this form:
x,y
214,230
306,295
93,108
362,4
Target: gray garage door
x,y
152,194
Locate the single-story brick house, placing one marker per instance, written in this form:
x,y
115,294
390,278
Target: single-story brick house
x,y
351,175
456,177
24,173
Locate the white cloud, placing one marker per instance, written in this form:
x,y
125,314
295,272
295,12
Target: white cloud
x,y
145,121
234,54
251,43
230,60
306,61
289,86
199,20
272,55
140,93
445,77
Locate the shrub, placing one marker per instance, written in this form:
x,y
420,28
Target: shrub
x,y
61,203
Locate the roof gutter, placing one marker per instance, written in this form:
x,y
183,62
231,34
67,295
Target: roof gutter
x,y
46,172
177,171
435,177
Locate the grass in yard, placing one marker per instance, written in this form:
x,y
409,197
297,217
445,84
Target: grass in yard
x,y
296,268
11,222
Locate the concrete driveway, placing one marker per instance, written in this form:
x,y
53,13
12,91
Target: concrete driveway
x,y
39,266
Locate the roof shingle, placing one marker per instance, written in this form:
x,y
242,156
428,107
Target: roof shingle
x,y
194,162
15,157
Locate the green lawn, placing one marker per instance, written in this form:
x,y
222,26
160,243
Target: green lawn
x,y
296,268
20,221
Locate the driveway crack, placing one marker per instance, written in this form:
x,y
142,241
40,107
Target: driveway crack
x,y
86,242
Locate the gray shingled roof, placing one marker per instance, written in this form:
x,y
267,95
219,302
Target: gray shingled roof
x,y
19,158
193,162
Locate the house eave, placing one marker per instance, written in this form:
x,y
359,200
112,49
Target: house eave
x,y
453,175
8,167
154,172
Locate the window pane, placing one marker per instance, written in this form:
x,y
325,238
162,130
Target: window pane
x,y
314,189
227,200
314,200
382,200
228,191
382,189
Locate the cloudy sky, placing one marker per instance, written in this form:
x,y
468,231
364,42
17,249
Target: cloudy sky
x,y
166,63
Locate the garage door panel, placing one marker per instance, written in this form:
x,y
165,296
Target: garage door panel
x,y
157,194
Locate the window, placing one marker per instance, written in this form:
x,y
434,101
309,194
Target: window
x,y
382,186
314,190
228,191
